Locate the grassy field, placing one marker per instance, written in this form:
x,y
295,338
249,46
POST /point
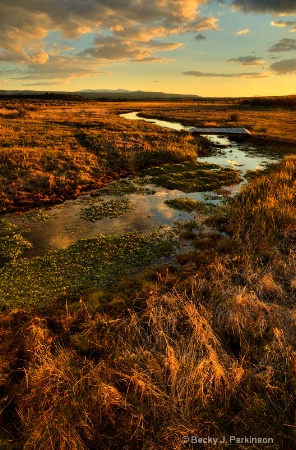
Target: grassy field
x,y
50,151
265,123
203,345
53,150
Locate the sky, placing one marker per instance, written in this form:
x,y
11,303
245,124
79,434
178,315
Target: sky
x,y
225,48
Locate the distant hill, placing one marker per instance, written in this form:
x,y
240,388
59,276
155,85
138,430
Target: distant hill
x,y
40,95
119,91
129,95
93,94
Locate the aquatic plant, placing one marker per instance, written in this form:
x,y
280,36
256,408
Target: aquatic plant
x,y
192,176
87,264
13,246
190,205
111,209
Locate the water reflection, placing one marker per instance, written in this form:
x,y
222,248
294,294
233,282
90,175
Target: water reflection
x,y
226,152
236,155
65,225
160,123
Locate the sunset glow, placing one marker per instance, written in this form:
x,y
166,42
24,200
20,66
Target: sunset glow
x,y
207,48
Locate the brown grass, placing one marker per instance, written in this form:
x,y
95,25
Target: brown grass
x,y
51,151
209,348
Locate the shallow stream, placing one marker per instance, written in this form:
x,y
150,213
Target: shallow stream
x,y
59,226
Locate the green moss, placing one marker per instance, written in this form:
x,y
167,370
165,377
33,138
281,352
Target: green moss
x,y
13,246
125,187
190,205
112,209
36,215
6,227
192,176
89,263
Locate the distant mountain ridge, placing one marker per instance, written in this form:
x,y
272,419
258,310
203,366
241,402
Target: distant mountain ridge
x,y
111,94
104,90
124,93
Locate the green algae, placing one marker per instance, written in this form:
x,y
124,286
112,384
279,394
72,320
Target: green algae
x,y
124,187
111,209
190,205
89,263
6,227
36,215
13,246
192,176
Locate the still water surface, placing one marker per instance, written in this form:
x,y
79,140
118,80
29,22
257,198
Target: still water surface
x,y
65,226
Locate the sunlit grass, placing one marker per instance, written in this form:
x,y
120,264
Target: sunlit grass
x,y
96,355
54,152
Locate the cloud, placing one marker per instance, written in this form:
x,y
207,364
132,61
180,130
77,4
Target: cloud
x,y
202,24
129,28
284,45
247,60
150,59
44,83
283,67
39,57
285,23
244,31
158,45
114,48
278,7
57,68
194,73
200,37
24,23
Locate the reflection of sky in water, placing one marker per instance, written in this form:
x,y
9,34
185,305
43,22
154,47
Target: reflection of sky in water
x,y
65,226
227,152
161,123
233,154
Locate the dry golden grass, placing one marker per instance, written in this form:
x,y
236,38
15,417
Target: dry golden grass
x,y
209,348
216,364
52,150
276,124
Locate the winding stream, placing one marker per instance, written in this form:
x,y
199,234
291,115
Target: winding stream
x,y
64,225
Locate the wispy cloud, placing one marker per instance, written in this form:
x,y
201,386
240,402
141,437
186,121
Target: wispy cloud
x,y
202,24
244,31
115,48
285,23
151,59
45,83
195,73
284,45
280,7
283,67
57,68
247,60
200,37
159,45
